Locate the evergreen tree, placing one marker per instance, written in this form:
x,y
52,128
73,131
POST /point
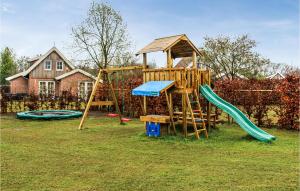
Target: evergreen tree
x,y
7,65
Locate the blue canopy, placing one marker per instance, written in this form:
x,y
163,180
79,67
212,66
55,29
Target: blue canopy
x,y
152,88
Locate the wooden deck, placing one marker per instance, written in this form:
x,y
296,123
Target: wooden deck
x,y
188,78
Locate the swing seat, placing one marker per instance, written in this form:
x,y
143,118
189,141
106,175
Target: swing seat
x,y
112,115
125,119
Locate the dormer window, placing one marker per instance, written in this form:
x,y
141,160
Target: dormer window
x,y
48,65
59,66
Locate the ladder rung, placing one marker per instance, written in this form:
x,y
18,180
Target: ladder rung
x,y
193,133
198,120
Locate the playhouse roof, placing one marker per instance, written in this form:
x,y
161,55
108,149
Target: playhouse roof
x,y
152,88
180,46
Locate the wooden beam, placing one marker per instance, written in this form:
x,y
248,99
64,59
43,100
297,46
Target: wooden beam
x,y
183,91
209,104
167,87
170,112
156,118
86,111
144,80
145,60
142,106
184,115
169,59
123,68
194,57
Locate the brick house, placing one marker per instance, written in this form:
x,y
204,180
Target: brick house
x,y
51,74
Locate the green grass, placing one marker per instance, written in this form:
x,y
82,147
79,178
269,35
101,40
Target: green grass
x,y
54,155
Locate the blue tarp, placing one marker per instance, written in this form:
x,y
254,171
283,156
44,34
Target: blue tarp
x,y
151,88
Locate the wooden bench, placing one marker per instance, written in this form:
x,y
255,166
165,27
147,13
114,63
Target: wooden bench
x,y
156,118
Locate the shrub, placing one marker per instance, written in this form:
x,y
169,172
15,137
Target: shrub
x,y
252,95
256,97
288,111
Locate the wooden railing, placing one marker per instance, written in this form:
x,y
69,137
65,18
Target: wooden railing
x,y
184,77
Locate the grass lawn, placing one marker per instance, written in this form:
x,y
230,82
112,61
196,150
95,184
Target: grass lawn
x,y
54,155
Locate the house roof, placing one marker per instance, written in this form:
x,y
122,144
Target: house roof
x,y
40,59
237,74
184,62
180,46
73,72
34,58
274,75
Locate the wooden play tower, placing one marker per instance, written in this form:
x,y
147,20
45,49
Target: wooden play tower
x,y
184,81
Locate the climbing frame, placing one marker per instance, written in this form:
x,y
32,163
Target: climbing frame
x,y
187,80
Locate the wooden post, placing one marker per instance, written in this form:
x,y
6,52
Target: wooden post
x,y
184,122
208,115
87,108
184,114
169,59
142,106
170,112
209,104
171,100
144,80
195,72
194,60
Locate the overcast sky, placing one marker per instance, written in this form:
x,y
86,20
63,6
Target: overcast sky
x,y
32,27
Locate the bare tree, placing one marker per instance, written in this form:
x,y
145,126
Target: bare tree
x,y
102,35
233,57
282,68
22,63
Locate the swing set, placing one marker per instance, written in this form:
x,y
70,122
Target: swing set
x,y
111,75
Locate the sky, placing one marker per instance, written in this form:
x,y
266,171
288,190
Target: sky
x,y
32,27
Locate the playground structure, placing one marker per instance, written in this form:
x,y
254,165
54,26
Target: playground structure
x,y
169,81
187,82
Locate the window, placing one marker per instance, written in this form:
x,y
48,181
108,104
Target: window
x,y
85,88
59,66
48,65
46,88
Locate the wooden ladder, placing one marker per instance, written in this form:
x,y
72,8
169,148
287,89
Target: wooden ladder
x,y
191,111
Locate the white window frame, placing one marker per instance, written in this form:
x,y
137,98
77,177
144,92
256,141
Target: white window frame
x,y
45,64
47,84
62,65
85,88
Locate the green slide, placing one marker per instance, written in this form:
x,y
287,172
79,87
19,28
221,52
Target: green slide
x,y
236,114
